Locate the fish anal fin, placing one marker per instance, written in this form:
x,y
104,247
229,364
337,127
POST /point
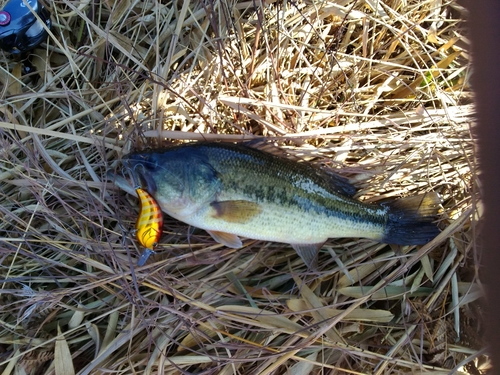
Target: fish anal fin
x,y
308,253
228,239
236,211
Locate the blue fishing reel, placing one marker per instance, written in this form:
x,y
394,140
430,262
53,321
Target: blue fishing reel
x,y
20,30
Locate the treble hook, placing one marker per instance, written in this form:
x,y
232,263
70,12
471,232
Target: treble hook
x,y
139,177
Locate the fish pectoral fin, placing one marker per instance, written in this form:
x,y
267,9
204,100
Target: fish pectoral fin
x,y
237,211
308,252
228,239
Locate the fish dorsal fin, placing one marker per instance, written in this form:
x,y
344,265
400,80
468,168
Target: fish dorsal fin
x,y
308,253
228,239
339,183
237,211
269,147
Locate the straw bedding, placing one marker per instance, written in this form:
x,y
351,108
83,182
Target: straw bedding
x,y
376,90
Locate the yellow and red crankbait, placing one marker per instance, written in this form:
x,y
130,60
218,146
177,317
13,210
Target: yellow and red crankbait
x,y
149,224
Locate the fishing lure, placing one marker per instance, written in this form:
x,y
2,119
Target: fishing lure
x,y
149,224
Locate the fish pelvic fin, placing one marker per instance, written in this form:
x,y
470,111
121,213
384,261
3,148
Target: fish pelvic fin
x,y
411,220
236,211
228,239
308,253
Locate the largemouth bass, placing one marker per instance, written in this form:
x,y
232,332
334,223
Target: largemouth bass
x,y
234,190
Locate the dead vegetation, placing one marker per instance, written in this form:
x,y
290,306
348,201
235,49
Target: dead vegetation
x,y
376,89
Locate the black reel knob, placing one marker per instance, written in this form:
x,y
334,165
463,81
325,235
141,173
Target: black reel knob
x,y
20,30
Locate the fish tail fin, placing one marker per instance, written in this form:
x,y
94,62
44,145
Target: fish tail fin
x,y
411,220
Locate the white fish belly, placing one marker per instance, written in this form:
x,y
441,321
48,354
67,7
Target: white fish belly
x,y
281,224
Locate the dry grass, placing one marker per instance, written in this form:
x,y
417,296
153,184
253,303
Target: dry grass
x,y
378,89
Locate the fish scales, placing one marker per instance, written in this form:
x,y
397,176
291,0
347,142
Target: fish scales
x,y
270,180
234,190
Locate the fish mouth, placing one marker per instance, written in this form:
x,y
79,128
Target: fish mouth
x,y
139,175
